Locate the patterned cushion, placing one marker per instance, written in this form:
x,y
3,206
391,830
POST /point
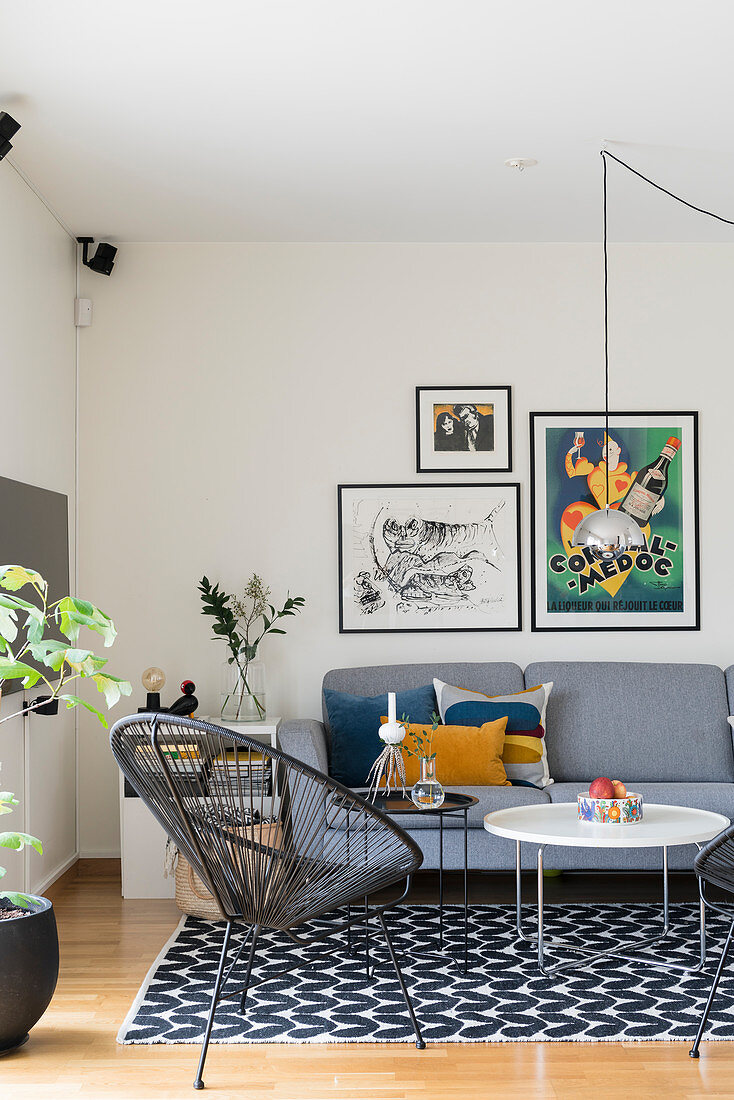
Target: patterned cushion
x,y
524,755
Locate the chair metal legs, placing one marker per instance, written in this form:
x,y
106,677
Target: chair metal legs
x,y
419,1042
255,934
198,1083
693,1052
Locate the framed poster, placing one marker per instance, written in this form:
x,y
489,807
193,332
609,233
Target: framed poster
x,y
429,557
463,429
653,475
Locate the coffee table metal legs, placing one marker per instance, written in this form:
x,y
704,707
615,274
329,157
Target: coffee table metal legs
x,y
466,892
440,882
629,951
441,944
466,887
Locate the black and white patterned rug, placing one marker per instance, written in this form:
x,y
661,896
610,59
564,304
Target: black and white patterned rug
x,y
503,997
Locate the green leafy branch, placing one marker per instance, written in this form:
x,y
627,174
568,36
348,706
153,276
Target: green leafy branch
x,y
17,842
236,619
70,662
422,742
23,625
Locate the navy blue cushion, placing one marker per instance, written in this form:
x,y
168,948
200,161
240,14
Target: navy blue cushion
x,y
355,724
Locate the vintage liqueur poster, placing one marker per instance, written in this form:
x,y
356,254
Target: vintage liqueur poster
x,y
651,461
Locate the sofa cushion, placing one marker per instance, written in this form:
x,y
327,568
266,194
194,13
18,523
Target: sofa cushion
x,y
491,677
636,722
355,725
466,754
524,754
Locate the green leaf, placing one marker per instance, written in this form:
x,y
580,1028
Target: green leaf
x,y
13,577
17,670
17,841
35,625
55,654
7,800
276,630
111,687
73,614
21,900
8,622
75,701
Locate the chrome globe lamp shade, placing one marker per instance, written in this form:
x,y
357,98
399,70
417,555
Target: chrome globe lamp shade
x,y
607,534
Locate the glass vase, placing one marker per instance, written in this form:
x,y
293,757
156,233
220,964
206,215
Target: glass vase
x,y
243,691
427,793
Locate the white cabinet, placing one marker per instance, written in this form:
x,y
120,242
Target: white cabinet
x,y
143,840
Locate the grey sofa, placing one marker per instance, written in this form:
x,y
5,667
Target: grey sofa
x,y
661,728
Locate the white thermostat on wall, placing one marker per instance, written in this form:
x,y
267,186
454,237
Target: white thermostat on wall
x,y
82,312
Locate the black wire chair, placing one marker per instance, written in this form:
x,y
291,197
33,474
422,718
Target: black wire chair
x,y
277,843
714,865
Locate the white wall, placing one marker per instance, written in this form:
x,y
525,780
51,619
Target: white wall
x,y
227,389
38,370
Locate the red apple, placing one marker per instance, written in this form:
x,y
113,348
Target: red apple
x,y
619,788
602,788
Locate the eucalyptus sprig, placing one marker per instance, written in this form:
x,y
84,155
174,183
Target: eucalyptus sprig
x,y
422,742
236,617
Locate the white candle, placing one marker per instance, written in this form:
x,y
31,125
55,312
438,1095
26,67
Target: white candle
x,y
391,706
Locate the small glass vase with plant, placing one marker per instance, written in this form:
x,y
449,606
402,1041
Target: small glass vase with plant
x,y
57,663
427,792
243,621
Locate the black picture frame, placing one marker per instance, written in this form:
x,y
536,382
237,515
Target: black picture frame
x,y
510,491
442,463
690,517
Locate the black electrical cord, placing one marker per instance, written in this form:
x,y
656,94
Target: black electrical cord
x,y
606,323
699,210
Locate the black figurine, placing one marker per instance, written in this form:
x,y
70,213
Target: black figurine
x,y
188,702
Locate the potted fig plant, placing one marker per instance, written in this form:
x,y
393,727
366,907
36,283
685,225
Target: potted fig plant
x,y
29,948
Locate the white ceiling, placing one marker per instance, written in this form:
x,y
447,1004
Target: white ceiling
x,y
338,120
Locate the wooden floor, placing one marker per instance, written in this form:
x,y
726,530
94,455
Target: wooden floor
x,y
107,946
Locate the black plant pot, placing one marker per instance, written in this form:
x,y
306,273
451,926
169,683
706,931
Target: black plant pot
x,y
29,969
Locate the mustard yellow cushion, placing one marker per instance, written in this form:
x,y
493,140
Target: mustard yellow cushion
x,y
466,756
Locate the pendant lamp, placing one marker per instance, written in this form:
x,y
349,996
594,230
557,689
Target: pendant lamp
x,y
607,533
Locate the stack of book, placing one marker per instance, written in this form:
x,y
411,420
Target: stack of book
x,y
184,758
240,769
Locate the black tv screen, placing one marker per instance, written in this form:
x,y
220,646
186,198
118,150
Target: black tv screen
x,y
34,531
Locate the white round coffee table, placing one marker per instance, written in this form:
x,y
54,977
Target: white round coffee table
x,y
557,824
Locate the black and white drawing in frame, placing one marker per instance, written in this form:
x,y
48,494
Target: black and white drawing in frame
x,y
463,429
429,558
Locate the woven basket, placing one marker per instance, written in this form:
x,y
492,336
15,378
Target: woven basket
x,y
193,896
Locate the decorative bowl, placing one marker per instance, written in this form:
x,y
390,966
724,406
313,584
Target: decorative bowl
x,y
610,811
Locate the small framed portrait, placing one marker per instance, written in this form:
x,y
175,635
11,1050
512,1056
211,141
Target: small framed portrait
x,y
463,429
